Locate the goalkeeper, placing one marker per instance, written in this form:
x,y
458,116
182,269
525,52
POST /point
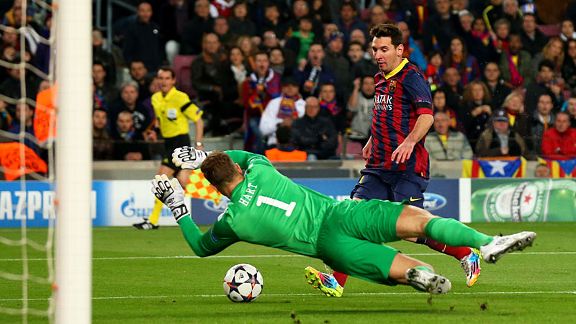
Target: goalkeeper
x,y
267,208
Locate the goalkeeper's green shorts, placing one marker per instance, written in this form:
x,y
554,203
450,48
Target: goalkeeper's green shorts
x,y
351,236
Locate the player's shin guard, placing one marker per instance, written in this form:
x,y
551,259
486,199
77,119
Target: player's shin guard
x,y
156,211
454,233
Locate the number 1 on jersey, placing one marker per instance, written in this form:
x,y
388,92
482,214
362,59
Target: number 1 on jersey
x,y
288,208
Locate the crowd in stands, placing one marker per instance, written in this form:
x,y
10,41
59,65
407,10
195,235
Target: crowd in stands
x,y
297,75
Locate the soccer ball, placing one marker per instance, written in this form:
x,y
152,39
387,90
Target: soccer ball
x,y
243,283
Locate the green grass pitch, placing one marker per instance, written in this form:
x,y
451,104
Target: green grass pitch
x,y
152,277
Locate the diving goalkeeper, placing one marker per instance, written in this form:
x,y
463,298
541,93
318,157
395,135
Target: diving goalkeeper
x,y
267,208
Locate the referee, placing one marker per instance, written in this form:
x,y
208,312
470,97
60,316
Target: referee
x,y
173,108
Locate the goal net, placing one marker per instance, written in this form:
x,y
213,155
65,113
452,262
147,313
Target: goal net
x,y
45,171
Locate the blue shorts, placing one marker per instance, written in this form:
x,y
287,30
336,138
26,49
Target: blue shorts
x,y
391,185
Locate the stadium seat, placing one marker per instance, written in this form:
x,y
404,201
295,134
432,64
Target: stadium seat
x,y
181,67
349,149
550,30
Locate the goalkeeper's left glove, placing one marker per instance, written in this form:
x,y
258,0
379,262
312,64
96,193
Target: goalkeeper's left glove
x,y
188,157
170,193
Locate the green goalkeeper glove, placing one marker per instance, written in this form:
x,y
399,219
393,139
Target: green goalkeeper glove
x,y
170,193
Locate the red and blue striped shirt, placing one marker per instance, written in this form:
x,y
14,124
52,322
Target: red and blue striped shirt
x,y
401,96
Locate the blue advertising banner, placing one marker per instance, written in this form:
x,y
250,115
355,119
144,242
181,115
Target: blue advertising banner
x,y
124,202
36,204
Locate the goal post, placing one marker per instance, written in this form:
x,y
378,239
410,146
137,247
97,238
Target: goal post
x,y
73,294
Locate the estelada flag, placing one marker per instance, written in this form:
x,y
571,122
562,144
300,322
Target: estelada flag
x,y
45,115
500,167
560,168
199,187
10,160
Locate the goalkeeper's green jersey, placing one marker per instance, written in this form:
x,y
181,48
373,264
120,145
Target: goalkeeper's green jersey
x,y
266,208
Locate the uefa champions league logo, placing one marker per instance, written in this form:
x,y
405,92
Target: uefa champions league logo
x,y
217,207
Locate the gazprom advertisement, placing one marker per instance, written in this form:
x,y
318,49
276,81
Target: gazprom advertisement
x,y
122,203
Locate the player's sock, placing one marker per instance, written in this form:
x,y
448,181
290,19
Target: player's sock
x,y
458,252
454,233
155,215
340,277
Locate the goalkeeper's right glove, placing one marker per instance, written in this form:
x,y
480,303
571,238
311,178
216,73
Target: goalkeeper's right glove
x,y
188,157
170,193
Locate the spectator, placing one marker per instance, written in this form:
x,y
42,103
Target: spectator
x,y
545,82
222,30
314,73
349,20
361,62
497,87
270,41
277,60
329,29
330,107
23,122
240,24
513,14
104,89
127,141
439,28
102,55
542,121
478,40
273,21
315,134
357,35
569,65
282,111
558,142
340,66
476,110
533,40
542,171
102,147
11,86
502,33
244,43
515,64
457,57
5,117
567,30
439,104
301,39
143,119
301,9
172,16
142,40
258,89
412,50
139,74
321,11
519,120
444,144
571,109
492,13
285,151
377,16
222,8
453,90
196,28
499,139
238,64
433,69
360,107
210,77
552,51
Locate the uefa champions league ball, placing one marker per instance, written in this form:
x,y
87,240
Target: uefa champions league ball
x,y
243,283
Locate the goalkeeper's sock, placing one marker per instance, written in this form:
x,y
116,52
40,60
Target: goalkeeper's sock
x,y
156,211
452,232
457,252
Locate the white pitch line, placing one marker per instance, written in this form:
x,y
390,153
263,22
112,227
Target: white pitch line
x,y
256,256
317,294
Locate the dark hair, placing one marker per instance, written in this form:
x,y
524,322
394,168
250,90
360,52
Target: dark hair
x,y
546,63
283,134
219,169
356,43
387,30
260,53
167,68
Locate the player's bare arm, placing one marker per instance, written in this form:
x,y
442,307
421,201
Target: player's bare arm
x,y
402,153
